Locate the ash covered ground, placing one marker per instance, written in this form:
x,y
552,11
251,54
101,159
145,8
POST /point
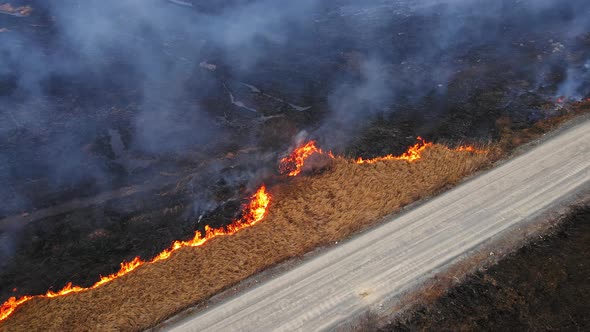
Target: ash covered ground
x,y
190,108
543,286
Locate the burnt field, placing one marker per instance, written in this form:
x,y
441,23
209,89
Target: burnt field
x,y
542,286
125,127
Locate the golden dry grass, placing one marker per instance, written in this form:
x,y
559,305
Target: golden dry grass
x,y
305,213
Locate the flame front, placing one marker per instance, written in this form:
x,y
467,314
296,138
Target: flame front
x,y
293,163
254,212
414,153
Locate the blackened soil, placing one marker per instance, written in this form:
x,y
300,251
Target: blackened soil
x,y
544,286
90,143
81,245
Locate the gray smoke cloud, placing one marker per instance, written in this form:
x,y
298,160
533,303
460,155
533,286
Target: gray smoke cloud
x,y
101,94
406,51
95,55
60,83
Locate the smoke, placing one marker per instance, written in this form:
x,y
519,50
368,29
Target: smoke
x,y
100,95
575,86
355,100
408,54
89,69
66,81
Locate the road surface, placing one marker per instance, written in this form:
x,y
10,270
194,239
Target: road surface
x,y
390,259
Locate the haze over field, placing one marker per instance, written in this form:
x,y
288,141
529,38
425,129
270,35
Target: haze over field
x,y
98,95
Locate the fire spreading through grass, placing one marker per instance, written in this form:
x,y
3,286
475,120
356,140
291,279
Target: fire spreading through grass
x,y
414,153
254,211
292,164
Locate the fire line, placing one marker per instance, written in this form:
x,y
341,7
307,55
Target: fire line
x,y
414,153
292,164
255,211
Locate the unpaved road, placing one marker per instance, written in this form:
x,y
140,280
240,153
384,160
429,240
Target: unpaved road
x,y
380,264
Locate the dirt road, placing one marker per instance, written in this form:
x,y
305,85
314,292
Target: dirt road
x,y
386,261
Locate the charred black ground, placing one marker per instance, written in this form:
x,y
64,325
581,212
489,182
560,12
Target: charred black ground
x,y
542,287
194,128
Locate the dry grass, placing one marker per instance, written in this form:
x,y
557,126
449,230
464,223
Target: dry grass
x,y
305,213
511,138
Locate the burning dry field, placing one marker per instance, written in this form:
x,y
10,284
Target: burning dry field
x,y
155,153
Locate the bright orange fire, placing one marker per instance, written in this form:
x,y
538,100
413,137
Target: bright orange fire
x,y
414,153
293,163
254,212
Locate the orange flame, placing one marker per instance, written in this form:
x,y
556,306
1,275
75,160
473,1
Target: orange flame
x,y
414,153
293,163
470,148
254,212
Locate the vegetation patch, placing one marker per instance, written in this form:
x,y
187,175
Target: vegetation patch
x,y
305,213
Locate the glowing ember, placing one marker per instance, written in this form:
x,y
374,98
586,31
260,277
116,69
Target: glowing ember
x,y
254,212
